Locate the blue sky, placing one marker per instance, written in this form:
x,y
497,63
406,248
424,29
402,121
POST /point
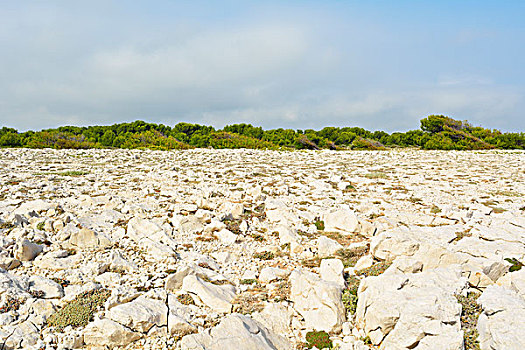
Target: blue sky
x,y
382,65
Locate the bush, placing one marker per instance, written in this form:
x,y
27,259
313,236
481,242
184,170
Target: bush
x,y
79,312
319,339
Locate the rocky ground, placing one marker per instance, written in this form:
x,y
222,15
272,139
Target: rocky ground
x,y
244,249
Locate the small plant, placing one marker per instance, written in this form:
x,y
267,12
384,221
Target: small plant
x,y
37,294
516,264
350,301
319,224
264,255
470,311
11,304
248,281
185,299
257,237
73,173
63,282
435,209
40,226
319,339
79,312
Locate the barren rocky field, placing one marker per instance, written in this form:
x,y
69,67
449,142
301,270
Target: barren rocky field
x,y
243,249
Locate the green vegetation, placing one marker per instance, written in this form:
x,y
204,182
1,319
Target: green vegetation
x,y
470,311
319,339
516,264
79,312
264,255
437,132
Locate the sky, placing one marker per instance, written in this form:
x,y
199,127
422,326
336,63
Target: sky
x,y
381,65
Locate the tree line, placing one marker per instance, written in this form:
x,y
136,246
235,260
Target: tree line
x,y
436,132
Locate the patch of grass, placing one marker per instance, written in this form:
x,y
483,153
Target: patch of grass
x,y
264,255
248,281
319,339
310,263
281,292
349,257
79,312
516,264
376,175
375,270
250,302
470,311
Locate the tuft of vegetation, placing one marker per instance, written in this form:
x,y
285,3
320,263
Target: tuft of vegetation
x,y
436,132
264,255
319,224
318,339
350,294
349,257
248,281
11,304
516,264
375,270
79,312
185,299
470,311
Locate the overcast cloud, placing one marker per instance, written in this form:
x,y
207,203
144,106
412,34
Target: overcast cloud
x,y
299,65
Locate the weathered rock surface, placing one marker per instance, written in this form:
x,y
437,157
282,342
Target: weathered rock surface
x,y
318,301
500,325
181,239
236,331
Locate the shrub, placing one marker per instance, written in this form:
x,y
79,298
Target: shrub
x,y
79,312
319,339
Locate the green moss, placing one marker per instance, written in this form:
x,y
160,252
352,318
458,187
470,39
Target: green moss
x,y
79,312
319,339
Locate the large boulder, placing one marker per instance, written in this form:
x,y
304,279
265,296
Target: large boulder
x,y
342,220
412,311
317,300
88,239
500,325
217,297
236,331
140,314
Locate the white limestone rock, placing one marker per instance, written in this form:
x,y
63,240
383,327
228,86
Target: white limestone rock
x,y
403,311
318,301
105,332
217,297
141,314
236,331
500,325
